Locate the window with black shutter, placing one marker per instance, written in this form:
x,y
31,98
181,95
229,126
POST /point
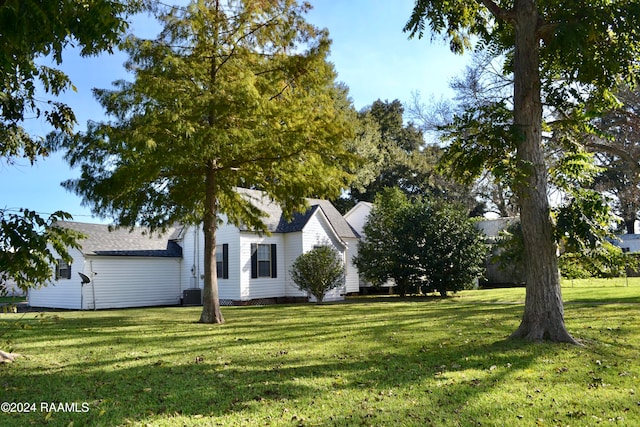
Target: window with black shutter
x,y
222,261
263,261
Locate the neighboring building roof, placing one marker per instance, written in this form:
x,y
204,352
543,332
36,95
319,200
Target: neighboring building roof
x,y
358,215
277,223
106,240
627,242
493,227
625,237
361,204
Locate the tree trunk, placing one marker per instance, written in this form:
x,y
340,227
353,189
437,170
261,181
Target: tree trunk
x,y
210,300
630,225
543,317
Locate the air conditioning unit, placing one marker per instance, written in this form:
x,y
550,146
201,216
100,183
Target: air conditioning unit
x,y
192,296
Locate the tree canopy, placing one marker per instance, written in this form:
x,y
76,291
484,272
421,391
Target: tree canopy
x,y
617,151
230,94
397,156
32,31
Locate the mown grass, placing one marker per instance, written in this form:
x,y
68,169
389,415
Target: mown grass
x,y
372,362
595,282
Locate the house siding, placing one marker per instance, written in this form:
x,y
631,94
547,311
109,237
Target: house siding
x,y
229,289
262,287
192,266
318,232
352,282
61,293
131,282
294,246
358,215
193,258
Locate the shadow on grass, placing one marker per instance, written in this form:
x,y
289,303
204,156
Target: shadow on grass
x,y
208,389
371,364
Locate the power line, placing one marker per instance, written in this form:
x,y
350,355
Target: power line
x,y
20,210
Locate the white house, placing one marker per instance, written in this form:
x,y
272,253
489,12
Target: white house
x,y
127,269
628,242
358,215
254,268
11,289
132,269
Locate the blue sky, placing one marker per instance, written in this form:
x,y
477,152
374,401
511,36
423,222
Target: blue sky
x,y
371,54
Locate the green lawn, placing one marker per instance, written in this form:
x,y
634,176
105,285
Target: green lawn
x,y
370,362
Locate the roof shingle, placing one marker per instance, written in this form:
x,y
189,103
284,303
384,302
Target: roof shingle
x,y
277,223
109,241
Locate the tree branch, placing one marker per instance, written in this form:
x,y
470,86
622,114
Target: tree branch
x,y
595,143
497,11
236,165
546,30
249,33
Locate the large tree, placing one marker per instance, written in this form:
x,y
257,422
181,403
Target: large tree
x,y
589,46
231,94
397,156
617,149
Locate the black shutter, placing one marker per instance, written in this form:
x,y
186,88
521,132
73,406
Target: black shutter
x,y
69,271
254,261
274,264
225,261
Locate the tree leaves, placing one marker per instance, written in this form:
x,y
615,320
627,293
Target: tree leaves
x,y
218,89
30,247
420,245
32,30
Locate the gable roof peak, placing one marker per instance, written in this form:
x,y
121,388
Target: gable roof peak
x,y
276,222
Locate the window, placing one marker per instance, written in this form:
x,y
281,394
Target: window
x,y
63,270
222,261
263,261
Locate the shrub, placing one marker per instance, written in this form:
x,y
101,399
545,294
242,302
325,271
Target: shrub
x,y
318,271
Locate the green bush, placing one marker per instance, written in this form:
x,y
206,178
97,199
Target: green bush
x,y
318,271
421,245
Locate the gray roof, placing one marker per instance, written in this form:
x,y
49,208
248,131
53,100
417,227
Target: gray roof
x,y
277,223
107,240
